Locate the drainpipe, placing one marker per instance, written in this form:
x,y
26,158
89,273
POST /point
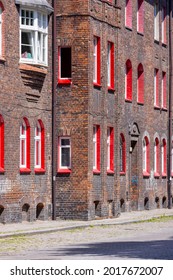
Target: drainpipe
x,y
170,108
54,83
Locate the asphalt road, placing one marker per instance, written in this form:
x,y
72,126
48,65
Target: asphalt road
x,y
148,240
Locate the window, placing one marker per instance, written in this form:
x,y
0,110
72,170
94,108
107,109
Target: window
x,y
64,58
156,157
156,87
64,154
33,36
172,159
39,147
156,21
96,149
164,157
25,146
140,16
128,14
140,85
1,144
128,81
164,25
1,29
110,149
164,95
122,154
110,65
97,59
146,156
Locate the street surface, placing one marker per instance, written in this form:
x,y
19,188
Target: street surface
x,y
146,240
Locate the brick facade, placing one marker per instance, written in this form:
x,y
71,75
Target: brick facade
x,y
80,105
26,91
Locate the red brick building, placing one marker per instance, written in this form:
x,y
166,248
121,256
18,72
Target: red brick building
x,y
25,110
111,107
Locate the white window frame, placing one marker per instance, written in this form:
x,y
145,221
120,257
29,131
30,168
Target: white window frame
x,y
60,152
163,24
35,31
95,57
94,147
23,138
144,155
156,80
108,147
38,148
156,21
109,64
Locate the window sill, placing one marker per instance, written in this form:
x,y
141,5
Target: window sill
x,y
146,174
96,172
156,107
64,82
39,170
156,175
110,172
164,44
2,170
97,85
2,59
140,33
128,28
156,41
140,103
34,68
128,100
25,170
164,175
122,173
111,89
164,109
64,171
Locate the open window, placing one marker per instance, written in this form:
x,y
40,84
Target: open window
x,y
64,60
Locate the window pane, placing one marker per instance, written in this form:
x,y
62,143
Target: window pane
x,y
65,142
27,45
65,62
65,157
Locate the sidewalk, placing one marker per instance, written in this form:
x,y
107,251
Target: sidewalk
x,y
26,228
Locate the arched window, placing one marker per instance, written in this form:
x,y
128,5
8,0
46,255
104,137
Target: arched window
x,y
25,146
140,16
1,28
156,157
1,144
122,152
128,81
146,156
164,157
39,147
140,85
110,149
128,14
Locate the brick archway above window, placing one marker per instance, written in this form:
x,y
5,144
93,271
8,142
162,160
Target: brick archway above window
x,y
43,4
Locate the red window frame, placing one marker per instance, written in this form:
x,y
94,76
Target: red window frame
x,y
140,84
110,150
110,65
156,88
164,91
64,169
140,16
128,14
96,62
39,148
122,154
1,144
146,156
96,149
164,37
62,80
25,146
164,158
128,81
156,158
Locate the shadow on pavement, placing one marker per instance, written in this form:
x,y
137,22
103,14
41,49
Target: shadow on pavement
x,y
160,249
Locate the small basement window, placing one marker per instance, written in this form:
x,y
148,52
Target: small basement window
x,y
64,76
